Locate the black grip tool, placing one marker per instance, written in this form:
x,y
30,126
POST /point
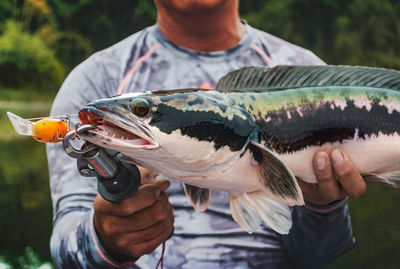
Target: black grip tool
x,y
117,180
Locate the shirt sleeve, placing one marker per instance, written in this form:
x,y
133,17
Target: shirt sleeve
x,y
74,243
319,235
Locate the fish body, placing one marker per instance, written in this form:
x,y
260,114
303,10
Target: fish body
x,y
258,130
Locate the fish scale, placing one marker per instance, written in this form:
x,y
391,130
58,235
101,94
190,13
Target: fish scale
x,y
279,127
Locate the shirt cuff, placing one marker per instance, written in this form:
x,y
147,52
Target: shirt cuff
x,y
325,208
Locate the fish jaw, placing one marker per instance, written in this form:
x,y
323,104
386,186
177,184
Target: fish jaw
x,y
115,131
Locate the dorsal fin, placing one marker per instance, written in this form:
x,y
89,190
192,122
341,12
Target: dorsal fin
x,y
285,76
168,92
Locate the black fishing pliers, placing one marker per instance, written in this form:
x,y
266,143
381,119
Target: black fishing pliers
x,y
117,180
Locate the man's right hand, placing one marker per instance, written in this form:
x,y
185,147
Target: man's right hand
x,y
137,225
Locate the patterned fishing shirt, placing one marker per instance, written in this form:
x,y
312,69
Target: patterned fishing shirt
x,y
148,61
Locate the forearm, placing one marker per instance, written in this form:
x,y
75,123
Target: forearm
x,y
74,243
317,238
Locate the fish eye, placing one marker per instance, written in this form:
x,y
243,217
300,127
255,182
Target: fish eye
x,y
140,107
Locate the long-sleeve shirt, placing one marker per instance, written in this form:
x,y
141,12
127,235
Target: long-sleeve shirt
x,y
148,61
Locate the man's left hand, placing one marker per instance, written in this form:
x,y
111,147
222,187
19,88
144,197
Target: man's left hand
x,y
337,178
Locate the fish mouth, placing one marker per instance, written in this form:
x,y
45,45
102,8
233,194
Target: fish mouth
x,y
112,129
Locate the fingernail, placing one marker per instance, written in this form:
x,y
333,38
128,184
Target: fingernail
x,y
320,161
337,156
160,178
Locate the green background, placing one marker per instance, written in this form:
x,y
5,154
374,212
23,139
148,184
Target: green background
x,y
42,40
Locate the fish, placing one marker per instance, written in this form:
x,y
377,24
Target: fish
x,y
256,133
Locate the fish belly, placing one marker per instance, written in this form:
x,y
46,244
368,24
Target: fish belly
x,y
376,154
241,176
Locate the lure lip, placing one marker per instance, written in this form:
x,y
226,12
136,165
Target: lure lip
x,y
126,132
21,126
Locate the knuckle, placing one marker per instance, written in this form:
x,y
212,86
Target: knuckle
x,y
324,176
344,170
148,195
160,211
126,208
109,229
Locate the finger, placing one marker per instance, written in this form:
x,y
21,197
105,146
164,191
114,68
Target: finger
x,y
162,183
125,240
308,189
149,246
348,175
144,197
147,176
149,232
112,225
328,185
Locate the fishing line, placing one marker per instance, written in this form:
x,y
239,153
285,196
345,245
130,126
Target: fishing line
x,y
56,117
161,260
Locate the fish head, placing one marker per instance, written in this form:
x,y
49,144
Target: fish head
x,y
185,132
119,123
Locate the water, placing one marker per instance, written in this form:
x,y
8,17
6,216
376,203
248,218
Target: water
x,y
25,204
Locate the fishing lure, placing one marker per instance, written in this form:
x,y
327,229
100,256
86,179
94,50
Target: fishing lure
x,y
45,129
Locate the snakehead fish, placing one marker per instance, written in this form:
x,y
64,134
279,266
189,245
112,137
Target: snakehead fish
x,y
256,132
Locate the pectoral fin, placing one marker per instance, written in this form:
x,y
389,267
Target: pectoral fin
x,y
199,198
279,182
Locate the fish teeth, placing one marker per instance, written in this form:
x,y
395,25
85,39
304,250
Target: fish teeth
x,y
122,137
113,135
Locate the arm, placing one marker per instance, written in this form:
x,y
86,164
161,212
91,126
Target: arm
x,y
322,229
89,232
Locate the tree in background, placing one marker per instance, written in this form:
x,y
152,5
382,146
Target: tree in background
x,y
354,32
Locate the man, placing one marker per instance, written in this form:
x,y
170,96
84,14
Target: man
x,y
193,44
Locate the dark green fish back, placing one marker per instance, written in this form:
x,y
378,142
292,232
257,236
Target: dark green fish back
x,y
282,77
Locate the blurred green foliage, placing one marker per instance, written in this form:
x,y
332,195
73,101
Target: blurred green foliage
x,y
42,40
30,260
26,61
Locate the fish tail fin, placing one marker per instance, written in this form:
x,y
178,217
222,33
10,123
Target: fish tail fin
x,y
248,208
390,179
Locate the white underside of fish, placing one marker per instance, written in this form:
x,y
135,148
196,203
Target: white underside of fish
x,y
379,154
199,164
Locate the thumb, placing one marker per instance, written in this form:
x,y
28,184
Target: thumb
x,y
162,183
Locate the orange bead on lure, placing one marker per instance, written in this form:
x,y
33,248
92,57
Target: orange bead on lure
x,y
46,130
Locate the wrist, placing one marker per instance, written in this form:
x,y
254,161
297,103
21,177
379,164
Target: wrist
x,y
109,257
325,208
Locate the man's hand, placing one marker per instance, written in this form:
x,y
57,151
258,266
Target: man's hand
x,y
329,189
137,225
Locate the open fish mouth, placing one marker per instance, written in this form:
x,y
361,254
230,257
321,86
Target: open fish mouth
x,y
115,130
